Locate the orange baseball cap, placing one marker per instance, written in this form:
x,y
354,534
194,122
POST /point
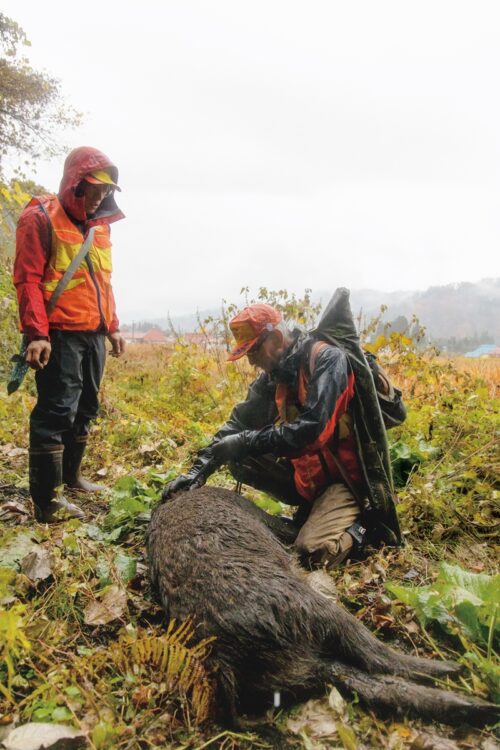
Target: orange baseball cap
x,y
101,177
248,326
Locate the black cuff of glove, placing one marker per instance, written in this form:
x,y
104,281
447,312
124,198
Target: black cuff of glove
x,y
232,447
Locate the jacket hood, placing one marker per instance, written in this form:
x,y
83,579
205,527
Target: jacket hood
x,y
80,162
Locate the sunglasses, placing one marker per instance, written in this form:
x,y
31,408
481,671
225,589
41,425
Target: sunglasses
x,y
101,190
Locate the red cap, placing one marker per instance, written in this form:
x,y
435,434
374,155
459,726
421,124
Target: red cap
x,y
248,326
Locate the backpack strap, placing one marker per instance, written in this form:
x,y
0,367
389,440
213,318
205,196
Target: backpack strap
x,y
316,348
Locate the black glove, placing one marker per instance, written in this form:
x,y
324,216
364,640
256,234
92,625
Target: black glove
x,y
195,477
182,483
232,448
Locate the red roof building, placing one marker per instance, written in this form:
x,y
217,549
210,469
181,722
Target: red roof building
x,y
151,336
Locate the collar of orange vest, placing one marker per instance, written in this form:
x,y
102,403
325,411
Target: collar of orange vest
x,y
80,162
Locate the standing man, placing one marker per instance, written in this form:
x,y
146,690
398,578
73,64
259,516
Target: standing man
x,y
293,437
66,341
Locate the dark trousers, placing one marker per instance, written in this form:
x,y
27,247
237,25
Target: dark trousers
x,y
320,534
68,389
273,476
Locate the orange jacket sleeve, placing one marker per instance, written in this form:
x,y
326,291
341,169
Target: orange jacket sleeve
x,y
33,238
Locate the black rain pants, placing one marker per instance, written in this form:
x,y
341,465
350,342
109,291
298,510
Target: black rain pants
x,y
68,388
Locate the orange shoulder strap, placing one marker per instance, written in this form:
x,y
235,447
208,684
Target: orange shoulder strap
x,y
316,348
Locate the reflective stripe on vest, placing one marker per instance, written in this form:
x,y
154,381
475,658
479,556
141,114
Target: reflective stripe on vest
x,y
87,302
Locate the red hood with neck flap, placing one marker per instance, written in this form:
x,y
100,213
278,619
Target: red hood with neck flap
x,y
79,163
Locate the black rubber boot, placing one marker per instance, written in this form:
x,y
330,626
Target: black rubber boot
x,y
72,461
45,479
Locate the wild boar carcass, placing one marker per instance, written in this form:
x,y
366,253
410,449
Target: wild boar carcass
x,y
214,558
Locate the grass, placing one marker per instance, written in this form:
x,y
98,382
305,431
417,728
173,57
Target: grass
x,y
158,407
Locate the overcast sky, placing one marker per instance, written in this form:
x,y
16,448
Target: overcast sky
x,y
284,144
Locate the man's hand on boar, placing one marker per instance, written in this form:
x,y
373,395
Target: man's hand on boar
x,y
182,483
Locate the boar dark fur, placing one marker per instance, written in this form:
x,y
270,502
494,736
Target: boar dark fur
x,y
214,558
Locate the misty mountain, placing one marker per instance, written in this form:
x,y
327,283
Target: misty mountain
x,y
461,311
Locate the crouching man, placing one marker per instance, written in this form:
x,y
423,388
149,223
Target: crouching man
x,y
293,436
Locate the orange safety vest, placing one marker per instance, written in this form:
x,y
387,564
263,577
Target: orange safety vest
x,y
87,303
316,468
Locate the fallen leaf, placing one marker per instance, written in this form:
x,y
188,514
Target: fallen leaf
x,y
37,564
412,627
346,734
102,472
17,452
394,740
316,717
438,532
13,510
404,731
425,741
109,608
412,573
489,744
337,703
18,547
39,736
147,448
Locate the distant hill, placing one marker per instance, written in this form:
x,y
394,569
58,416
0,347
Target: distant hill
x,y
462,311
465,310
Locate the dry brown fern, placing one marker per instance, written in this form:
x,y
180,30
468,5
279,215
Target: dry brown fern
x,y
161,673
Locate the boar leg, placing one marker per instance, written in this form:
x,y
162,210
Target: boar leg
x,y
349,640
396,696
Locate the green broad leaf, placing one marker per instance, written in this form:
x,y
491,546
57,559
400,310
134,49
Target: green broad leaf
x,y
114,535
125,487
61,713
71,544
403,460
268,504
73,692
406,594
44,712
125,566
490,671
123,510
103,572
103,735
131,504
93,532
468,615
485,587
457,599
